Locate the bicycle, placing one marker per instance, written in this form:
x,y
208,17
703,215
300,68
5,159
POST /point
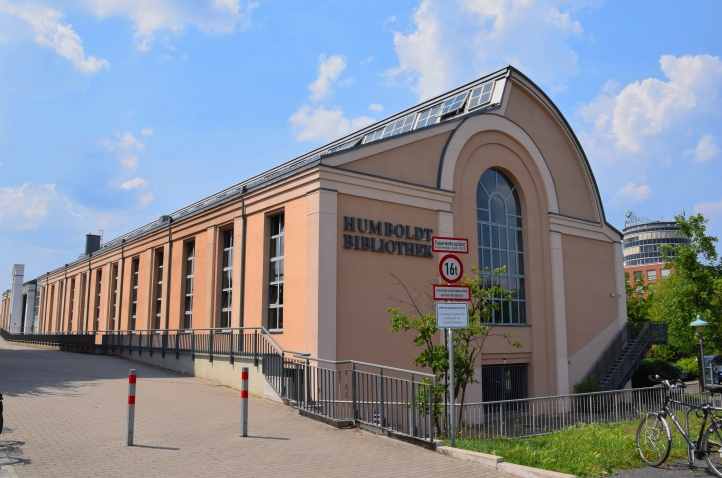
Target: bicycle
x,y
654,439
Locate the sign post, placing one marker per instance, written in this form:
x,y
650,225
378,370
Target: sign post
x,y
452,310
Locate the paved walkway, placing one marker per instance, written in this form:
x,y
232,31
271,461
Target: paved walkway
x,y
65,417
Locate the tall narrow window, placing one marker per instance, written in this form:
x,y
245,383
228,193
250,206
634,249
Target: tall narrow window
x,y
189,255
275,273
226,278
98,282
71,304
114,295
60,305
157,287
501,248
39,290
82,311
134,266
50,308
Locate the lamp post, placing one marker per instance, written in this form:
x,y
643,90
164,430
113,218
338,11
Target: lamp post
x,y
699,325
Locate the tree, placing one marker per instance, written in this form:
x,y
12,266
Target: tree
x,y
486,297
694,287
639,300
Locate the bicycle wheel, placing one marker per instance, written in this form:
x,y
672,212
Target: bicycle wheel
x,y
654,440
712,448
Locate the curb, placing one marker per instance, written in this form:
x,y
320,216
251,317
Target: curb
x,y
497,462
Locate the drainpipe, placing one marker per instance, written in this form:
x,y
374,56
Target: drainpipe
x,y
166,294
243,261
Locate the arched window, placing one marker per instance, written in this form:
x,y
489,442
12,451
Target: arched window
x,y
499,227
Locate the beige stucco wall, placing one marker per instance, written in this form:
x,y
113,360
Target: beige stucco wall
x,y
392,164
574,188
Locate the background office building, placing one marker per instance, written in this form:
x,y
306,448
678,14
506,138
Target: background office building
x,y
316,249
644,243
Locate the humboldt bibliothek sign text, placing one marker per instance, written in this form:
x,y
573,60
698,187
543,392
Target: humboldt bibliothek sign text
x,y
362,234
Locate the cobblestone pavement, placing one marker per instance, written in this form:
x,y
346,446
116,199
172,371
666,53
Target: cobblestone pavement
x,y
65,417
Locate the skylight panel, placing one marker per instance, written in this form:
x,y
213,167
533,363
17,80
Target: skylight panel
x,y
401,125
453,104
373,136
343,146
481,95
429,116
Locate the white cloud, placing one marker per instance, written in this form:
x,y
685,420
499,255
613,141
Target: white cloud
x,y
711,210
126,147
134,183
324,124
26,206
49,31
376,107
706,149
145,198
150,17
642,110
329,70
455,42
635,191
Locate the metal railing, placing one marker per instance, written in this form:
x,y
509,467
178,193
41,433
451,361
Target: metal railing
x,y
542,415
345,392
71,342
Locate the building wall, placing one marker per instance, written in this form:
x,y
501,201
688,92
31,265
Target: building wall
x,y
657,270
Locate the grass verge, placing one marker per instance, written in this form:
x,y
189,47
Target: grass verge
x,y
587,451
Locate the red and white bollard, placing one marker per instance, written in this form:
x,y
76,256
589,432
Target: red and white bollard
x,y
131,405
244,401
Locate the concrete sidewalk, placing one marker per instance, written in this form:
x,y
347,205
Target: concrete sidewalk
x,y
65,417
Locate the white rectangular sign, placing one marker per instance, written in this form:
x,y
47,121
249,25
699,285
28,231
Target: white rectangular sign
x,y
452,315
452,292
450,244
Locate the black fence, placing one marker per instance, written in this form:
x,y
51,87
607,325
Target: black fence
x,y
66,342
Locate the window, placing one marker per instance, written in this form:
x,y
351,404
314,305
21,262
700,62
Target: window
x,y
275,273
637,277
504,382
71,302
480,95
666,272
50,308
189,253
82,316
651,275
98,282
501,247
157,287
226,278
59,311
134,266
114,293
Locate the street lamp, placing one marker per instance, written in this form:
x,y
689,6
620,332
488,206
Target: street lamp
x,y
699,325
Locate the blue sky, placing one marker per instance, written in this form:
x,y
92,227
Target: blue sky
x,y
113,112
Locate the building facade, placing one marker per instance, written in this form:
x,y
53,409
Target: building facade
x,y
644,243
316,250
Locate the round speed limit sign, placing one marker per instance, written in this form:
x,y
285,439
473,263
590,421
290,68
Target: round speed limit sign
x,y
450,268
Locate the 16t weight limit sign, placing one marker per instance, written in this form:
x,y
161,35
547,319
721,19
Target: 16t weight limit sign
x,y
451,268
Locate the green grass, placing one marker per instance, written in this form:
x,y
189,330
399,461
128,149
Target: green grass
x,y
585,451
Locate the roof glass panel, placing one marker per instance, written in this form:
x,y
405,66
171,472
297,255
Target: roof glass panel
x,y
429,116
453,104
401,125
481,95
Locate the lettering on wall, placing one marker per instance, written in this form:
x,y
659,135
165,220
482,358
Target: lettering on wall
x,y
361,234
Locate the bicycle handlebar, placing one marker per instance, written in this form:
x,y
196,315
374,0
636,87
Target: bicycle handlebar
x,y
669,384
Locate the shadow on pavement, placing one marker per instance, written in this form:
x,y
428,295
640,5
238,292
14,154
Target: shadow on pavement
x,y
154,447
11,453
38,371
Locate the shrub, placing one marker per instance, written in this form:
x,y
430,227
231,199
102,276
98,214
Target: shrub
x,y
654,367
689,367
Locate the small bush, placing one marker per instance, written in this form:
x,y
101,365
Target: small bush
x,y
588,385
654,367
689,367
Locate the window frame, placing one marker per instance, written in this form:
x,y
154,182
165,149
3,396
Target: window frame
x,y
134,282
225,310
275,241
188,263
